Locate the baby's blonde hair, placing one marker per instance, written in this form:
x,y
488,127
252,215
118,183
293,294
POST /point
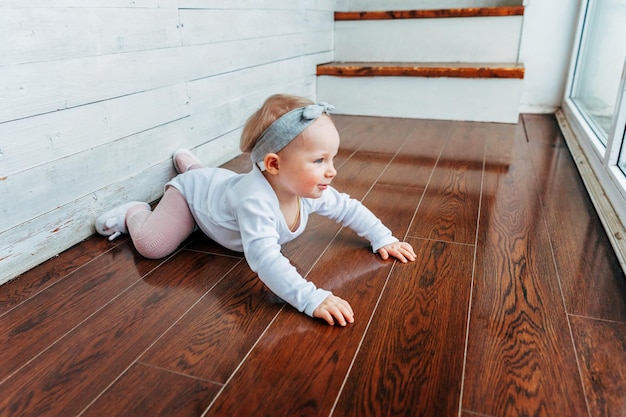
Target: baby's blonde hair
x,y
274,107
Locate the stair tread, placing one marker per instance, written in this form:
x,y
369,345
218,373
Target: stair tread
x,y
431,13
423,69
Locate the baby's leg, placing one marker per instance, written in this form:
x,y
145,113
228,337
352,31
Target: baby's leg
x,y
158,233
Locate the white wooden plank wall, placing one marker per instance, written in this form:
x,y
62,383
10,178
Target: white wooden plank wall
x,y
95,95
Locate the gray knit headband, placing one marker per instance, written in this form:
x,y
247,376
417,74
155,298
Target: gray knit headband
x,y
285,129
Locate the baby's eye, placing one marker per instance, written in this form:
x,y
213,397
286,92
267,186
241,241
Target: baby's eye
x,y
319,161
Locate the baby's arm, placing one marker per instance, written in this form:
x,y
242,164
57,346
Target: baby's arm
x,y
259,232
335,308
351,213
401,250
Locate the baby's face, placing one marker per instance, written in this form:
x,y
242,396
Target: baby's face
x,y
307,162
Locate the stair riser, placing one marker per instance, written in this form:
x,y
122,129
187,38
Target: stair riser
x,y
474,39
362,5
484,100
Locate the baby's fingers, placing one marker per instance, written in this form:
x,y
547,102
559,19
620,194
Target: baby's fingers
x,y
408,251
325,315
342,314
403,252
400,254
335,308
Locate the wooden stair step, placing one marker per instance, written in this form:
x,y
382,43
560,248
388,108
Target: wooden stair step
x,y
431,13
421,69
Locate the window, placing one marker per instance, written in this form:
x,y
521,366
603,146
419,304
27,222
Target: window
x,y
599,64
593,115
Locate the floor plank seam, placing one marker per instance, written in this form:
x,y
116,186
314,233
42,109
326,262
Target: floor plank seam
x,y
81,323
430,176
471,291
598,319
213,253
365,332
555,266
113,382
382,171
156,340
41,290
243,361
447,242
474,413
564,304
159,337
86,319
171,371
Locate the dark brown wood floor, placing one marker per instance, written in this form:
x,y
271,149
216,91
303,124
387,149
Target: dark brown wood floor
x,y
516,305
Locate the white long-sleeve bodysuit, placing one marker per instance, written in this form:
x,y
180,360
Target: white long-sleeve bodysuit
x,y
241,213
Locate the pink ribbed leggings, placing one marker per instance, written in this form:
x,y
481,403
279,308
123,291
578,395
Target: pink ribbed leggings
x,y
158,233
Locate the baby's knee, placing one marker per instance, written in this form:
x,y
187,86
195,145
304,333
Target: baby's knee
x,y
152,253
154,248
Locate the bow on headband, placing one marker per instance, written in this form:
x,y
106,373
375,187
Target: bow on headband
x,y
314,111
286,128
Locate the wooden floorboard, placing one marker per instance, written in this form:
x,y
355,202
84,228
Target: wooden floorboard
x,y
418,369
32,282
520,357
581,250
361,172
516,305
394,206
239,309
149,391
601,349
46,317
414,163
449,210
76,369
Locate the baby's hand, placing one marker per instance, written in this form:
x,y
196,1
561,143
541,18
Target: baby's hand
x,y
336,307
401,250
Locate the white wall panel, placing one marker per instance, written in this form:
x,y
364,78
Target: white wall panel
x,y
258,4
33,141
164,4
46,34
250,23
32,89
44,187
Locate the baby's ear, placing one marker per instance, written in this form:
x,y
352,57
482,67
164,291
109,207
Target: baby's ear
x,y
271,162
